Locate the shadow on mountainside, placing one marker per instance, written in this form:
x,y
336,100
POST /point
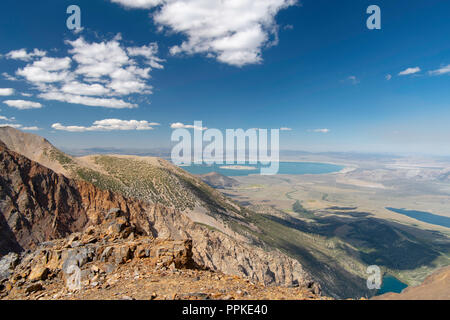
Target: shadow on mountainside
x,y
379,242
8,241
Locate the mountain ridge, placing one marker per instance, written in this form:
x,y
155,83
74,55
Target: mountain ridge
x,y
213,249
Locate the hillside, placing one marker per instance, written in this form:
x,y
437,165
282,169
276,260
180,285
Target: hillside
x,y
228,237
217,180
47,206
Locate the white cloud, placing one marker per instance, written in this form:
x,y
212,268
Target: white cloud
x,y
21,127
47,70
388,77
440,71
85,89
16,126
109,125
149,52
409,71
23,55
233,32
87,101
6,119
179,125
321,130
32,128
353,80
6,91
9,77
139,4
97,74
285,129
22,104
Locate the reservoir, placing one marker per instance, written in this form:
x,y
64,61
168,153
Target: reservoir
x,y
424,216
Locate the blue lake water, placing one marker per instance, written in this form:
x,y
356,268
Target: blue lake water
x,y
391,284
424,216
285,168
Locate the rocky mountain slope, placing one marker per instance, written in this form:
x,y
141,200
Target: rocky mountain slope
x,y
112,261
38,205
241,238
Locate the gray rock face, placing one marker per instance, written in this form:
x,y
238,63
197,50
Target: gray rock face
x,y
221,252
7,265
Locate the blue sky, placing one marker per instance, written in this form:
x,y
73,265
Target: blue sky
x,y
308,66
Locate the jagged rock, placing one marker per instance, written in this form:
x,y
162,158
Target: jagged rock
x,y
34,287
39,272
122,254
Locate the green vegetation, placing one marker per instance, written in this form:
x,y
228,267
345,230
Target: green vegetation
x,y
346,246
326,258
100,180
59,156
298,208
155,183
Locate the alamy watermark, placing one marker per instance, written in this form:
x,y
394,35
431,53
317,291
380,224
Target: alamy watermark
x,y
237,147
374,281
74,20
374,21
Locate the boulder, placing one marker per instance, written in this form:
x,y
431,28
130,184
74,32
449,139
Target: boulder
x,y
38,273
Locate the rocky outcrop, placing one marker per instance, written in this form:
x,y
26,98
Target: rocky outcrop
x,y
99,261
38,205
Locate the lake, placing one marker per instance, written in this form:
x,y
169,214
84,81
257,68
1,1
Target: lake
x,y
391,284
424,216
285,168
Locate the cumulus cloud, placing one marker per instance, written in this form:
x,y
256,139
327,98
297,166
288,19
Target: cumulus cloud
x,y
409,71
85,89
46,70
19,126
109,125
112,103
97,74
388,77
233,32
23,104
23,55
6,119
179,125
6,91
9,77
149,53
440,71
139,4
324,130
